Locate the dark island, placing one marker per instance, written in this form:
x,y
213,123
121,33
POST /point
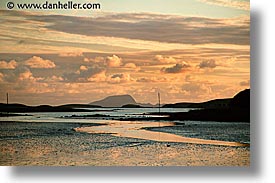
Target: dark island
x,y
131,106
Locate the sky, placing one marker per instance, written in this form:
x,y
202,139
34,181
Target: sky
x,y
188,50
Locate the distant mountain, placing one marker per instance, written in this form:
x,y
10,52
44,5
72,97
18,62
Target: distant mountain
x,y
115,101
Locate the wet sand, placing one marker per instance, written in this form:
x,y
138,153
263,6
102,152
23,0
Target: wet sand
x,y
57,144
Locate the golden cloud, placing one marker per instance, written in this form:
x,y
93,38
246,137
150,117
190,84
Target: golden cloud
x,y
113,61
8,65
38,62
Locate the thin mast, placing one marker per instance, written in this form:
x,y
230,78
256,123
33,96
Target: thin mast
x,y
159,110
159,100
7,98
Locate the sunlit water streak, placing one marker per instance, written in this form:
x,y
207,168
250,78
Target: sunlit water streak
x,y
136,130
204,131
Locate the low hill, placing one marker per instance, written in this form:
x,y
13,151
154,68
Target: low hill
x,y
131,106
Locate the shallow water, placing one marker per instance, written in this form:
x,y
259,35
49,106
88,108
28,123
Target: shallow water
x,y
48,139
220,131
57,144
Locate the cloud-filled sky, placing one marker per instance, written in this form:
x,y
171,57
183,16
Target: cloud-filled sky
x,y
193,50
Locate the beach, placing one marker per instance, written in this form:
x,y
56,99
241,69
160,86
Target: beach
x,y
59,144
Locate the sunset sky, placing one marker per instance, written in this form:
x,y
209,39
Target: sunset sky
x,y
188,50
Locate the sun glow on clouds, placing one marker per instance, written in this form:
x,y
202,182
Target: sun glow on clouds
x,y
243,5
81,59
8,65
38,62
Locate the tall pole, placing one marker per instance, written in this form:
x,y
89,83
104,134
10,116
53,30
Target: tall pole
x,y
159,100
159,127
7,98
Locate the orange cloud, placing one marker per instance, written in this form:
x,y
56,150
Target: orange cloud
x,y
119,78
52,79
8,65
245,83
243,5
99,77
1,77
130,65
208,64
152,79
96,59
26,75
38,62
211,64
114,61
71,54
167,60
83,68
178,68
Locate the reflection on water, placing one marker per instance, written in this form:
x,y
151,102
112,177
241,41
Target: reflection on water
x,y
127,143
135,130
193,132
56,116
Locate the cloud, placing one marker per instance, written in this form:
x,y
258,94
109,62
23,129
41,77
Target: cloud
x,y
130,65
243,5
1,77
18,74
166,60
119,78
98,77
95,60
83,68
113,61
84,74
38,62
26,75
178,68
21,73
21,80
196,89
51,79
228,62
208,64
211,64
245,83
146,26
152,79
71,54
8,65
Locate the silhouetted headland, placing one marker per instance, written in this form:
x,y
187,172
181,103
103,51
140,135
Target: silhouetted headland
x,y
236,109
